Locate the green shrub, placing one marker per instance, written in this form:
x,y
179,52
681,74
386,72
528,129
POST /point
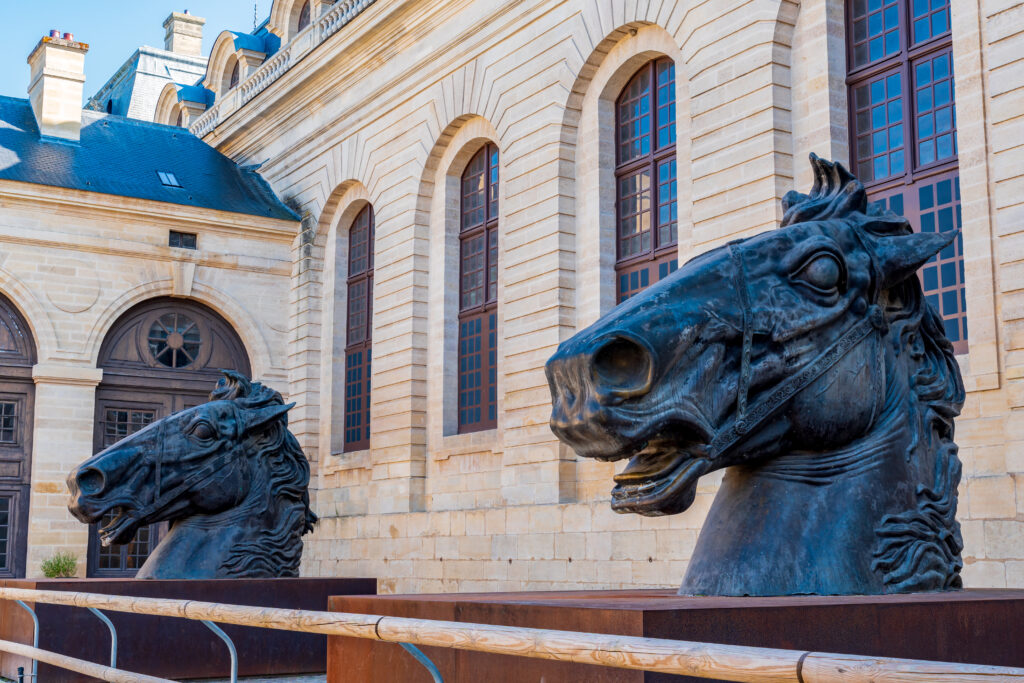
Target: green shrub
x,y
60,566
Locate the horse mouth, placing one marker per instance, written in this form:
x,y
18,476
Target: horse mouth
x,y
121,529
659,480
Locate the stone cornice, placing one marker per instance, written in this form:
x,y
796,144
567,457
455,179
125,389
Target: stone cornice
x,y
298,47
147,210
75,375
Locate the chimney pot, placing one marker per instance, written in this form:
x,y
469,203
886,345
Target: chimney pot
x,y
184,34
55,86
54,33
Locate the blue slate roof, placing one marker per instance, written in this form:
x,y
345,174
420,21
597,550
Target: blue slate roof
x,y
120,156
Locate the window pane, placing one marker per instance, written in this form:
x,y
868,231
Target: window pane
x,y
474,191
930,19
666,75
634,214
878,127
634,118
933,100
477,371
667,208
473,265
876,31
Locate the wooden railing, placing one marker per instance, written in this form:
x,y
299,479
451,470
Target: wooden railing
x,y
701,660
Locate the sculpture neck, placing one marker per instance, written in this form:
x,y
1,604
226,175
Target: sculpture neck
x,y
823,510
861,457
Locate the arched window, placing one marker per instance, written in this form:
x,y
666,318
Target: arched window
x,y
903,131
478,293
359,324
304,16
181,119
645,179
234,76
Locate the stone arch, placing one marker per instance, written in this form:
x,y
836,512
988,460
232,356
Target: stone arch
x,y
218,67
260,358
590,116
167,106
284,16
33,313
342,207
438,207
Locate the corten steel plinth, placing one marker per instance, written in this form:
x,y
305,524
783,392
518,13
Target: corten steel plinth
x,y
973,626
171,647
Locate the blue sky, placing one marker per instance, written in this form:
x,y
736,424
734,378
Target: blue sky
x,y
113,29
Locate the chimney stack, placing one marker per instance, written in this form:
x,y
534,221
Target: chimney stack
x,y
55,88
184,34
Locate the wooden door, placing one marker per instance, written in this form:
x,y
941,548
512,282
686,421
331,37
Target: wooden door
x,y
17,407
161,357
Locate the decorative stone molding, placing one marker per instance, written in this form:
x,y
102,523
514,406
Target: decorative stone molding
x,y
298,47
51,373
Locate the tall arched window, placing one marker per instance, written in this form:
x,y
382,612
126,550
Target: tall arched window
x,y
304,16
234,76
478,293
645,179
358,335
903,131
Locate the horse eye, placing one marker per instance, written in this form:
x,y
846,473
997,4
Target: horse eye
x,y
822,272
203,431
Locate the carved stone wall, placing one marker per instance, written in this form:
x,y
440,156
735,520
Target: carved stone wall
x,y
73,262
389,103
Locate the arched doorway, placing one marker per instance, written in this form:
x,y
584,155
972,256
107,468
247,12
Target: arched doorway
x,y
162,356
17,405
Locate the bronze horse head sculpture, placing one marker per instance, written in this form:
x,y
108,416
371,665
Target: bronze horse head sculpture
x,y
807,361
227,474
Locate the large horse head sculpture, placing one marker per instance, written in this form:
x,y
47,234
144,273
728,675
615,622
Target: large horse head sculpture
x,y
807,361
227,474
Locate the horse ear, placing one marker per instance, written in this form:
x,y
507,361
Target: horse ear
x,y
257,417
900,256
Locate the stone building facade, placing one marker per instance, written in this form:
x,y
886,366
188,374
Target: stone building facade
x,y
368,117
384,104
106,226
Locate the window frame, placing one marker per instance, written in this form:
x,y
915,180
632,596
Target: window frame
x,y
363,346
658,253
915,176
486,311
902,62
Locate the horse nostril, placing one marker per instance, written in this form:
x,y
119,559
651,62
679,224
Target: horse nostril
x,y
90,482
623,367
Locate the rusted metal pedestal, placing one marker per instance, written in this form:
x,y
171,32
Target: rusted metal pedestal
x,y
974,626
175,648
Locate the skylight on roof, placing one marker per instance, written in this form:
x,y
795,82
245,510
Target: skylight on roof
x,y
168,179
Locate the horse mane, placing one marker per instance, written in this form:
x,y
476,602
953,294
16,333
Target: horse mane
x,y
277,549
918,549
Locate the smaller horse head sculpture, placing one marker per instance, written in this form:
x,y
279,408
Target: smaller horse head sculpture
x,y
227,474
807,361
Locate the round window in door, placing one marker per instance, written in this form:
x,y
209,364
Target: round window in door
x,y
160,357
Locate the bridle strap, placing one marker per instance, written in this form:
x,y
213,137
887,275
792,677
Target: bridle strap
x,y
199,476
748,418
732,432
743,387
